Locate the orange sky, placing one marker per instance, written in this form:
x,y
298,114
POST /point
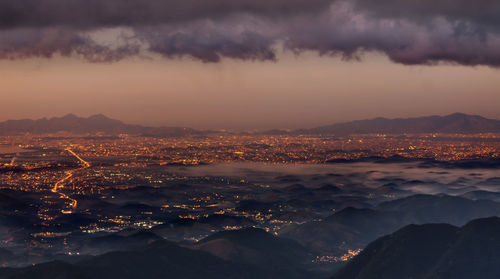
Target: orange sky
x,y
294,92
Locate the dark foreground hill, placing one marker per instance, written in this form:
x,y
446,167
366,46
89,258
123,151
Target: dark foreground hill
x,y
158,260
258,255
255,246
434,251
454,123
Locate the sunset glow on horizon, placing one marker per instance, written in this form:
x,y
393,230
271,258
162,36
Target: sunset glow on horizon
x,y
245,95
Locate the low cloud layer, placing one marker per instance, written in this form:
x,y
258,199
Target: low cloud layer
x,y
407,31
98,13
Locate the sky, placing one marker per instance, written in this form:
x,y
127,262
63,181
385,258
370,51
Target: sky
x,y
249,64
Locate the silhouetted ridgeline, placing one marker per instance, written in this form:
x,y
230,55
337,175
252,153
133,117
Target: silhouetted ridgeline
x,y
354,228
457,123
433,251
91,125
454,123
247,253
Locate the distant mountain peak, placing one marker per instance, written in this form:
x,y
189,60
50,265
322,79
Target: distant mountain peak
x,y
98,123
68,116
456,123
458,114
99,116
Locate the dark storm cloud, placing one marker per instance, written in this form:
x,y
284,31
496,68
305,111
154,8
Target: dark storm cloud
x,y
99,13
485,12
208,43
407,31
347,32
25,43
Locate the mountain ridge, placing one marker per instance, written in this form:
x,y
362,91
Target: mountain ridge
x,y
93,124
456,123
459,123
431,251
165,259
356,227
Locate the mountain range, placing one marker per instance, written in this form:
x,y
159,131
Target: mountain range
x,y
80,125
458,123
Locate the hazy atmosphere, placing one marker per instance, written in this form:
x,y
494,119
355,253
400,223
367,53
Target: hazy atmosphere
x,y
236,94
249,64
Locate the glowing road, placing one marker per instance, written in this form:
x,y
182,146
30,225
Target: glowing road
x,y
59,184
